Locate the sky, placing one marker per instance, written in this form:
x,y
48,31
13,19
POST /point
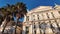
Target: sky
x,y
30,4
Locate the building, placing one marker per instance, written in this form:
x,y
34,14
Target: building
x,y
42,20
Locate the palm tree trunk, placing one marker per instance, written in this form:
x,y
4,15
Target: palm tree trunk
x,y
4,28
16,25
4,24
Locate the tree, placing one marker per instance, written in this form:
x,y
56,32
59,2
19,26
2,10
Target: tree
x,y
1,17
6,12
20,12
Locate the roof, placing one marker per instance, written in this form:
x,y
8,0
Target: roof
x,y
40,8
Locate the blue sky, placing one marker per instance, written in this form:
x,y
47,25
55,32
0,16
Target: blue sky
x,y
31,3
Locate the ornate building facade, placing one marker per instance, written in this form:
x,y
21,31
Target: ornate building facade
x,y
42,20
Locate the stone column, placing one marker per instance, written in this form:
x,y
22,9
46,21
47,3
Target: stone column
x,y
33,27
42,31
24,18
45,16
43,26
37,28
58,22
30,29
36,17
54,24
30,17
33,31
48,31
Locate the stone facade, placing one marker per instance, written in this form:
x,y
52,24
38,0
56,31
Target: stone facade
x,y
42,20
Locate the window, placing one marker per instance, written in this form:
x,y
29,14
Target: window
x,y
33,17
47,15
39,24
34,26
35,31
27,30
38,17
59,12
27,18
52,14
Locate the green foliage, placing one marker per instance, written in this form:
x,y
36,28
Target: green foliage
x,y
14,9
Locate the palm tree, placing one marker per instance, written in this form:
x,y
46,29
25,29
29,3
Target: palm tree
x,y
21,8
20,12
13,8
18,9
1,17
6,12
